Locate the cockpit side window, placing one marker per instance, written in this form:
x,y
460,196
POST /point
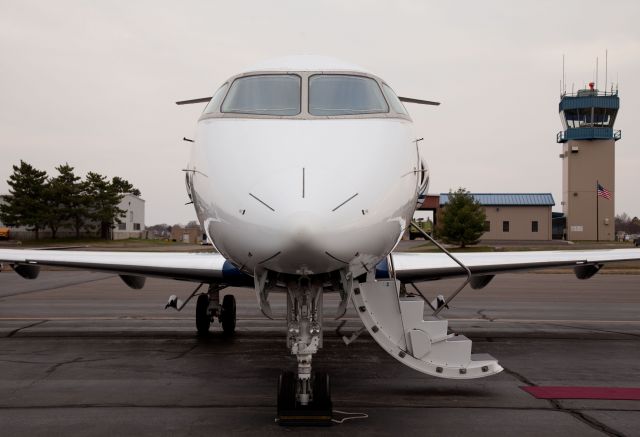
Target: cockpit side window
x,y
340,94
268,94
393,100
215,101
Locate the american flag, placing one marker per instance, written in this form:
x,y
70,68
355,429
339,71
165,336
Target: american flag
x,y
603,192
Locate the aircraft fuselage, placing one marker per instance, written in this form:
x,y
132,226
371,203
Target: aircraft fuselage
x,y
304,194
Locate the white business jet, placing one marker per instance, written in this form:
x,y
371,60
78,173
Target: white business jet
x,y
304,174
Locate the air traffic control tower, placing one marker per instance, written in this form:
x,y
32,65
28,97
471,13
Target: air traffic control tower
x,y
588,160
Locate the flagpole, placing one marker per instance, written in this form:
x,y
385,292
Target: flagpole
x,y
597,211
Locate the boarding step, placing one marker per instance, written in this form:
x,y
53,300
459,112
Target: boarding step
x,y
398,325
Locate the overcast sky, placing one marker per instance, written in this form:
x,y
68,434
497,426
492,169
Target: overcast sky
x,y
93,83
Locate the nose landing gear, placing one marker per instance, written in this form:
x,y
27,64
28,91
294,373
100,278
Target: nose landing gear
x,y
304,398
317,411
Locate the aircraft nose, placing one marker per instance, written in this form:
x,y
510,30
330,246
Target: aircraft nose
x,y
304,246
301,234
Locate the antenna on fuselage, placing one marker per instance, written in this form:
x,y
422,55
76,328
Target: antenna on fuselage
x,y
418,101
189,102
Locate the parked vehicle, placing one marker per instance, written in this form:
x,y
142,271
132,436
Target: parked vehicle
x,y
4,233
425,225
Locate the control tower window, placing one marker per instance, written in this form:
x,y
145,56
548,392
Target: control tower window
x,y
588,117
578,117
393,100
338,94
215,101
269,94
603,117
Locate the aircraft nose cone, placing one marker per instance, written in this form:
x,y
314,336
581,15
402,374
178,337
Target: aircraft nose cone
x,y
301,231
303,251
302,234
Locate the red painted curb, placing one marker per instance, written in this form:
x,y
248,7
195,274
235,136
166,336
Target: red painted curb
x,y
604,393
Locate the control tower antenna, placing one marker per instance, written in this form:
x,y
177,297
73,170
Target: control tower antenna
x,y
563,88
606,68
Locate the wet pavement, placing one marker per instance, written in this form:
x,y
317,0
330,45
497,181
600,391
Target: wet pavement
x,y
81,354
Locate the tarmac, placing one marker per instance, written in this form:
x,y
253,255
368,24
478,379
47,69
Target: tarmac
x,y
82,354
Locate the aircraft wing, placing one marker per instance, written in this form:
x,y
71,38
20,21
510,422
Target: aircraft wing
x,y
197,267
213,267
417,267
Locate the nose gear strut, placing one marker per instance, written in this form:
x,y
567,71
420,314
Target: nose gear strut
x,y
304,397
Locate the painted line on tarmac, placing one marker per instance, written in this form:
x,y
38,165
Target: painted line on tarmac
x,y
56,286
354,319
633,322
125,318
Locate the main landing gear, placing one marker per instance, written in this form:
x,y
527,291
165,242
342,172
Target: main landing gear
x,y
304,398
208,308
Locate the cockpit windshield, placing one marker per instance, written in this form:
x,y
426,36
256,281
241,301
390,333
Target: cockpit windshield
x,y
214,103
339,94
393,100
269,94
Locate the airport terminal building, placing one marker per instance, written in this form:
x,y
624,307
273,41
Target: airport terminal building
x,y
514,216
510,216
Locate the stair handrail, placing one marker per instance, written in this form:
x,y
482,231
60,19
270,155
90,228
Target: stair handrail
x,y
450,255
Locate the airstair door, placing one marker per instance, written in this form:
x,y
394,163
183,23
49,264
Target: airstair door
x,y
398,325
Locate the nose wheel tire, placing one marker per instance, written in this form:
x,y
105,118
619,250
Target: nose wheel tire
x,y
203,319
228,314
286,392
322,392
318,412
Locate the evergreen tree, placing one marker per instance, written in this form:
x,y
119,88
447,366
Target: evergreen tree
x,y
103,197
461,221
73,207
37,201
123,186
102,210
25,203
63,199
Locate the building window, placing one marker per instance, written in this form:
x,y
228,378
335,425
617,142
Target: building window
x,y
131,216
505,226
534,226
487,226
122,226
136,226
